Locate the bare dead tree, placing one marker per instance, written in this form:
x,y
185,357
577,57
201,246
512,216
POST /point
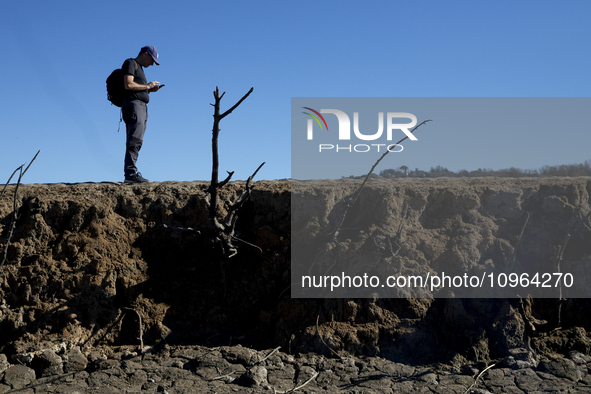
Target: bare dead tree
x,y
350,201
224,230
14,215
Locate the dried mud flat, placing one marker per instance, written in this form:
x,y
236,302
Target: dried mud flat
x,y
236,369
86,262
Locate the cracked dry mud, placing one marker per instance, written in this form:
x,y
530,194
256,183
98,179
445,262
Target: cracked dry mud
x,y
232,369
86,260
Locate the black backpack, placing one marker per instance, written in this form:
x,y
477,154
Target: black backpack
x,y
115,87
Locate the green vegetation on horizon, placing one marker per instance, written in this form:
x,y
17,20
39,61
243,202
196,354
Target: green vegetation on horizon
x,y
439,171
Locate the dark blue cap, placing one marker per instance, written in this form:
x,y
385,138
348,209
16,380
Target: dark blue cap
x,y
152,51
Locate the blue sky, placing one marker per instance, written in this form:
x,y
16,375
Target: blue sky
x,y
498,130
57,55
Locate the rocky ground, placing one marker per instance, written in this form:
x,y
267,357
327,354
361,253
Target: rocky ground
x,y
95,270
236,369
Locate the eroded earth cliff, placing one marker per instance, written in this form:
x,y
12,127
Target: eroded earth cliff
x,y
87,261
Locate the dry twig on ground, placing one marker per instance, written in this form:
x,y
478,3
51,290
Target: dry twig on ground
x,y
479,375
297,387
267,356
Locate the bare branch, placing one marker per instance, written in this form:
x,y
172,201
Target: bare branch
x,y
228,112
14,217
26,169
222,183
358,192
217,117
8,181
248,243
240,200
350,202
356,195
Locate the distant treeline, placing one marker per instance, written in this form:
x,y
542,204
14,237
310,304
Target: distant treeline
x,y
439,171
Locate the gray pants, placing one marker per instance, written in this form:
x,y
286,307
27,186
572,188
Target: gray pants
x,y
135,116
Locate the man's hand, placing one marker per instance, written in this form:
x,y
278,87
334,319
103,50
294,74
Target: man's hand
x,y
154,86
130,84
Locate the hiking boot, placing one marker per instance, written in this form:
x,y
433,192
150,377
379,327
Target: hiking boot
x,y
135,178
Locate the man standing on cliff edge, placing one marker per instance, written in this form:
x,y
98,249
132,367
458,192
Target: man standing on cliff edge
x,y
135,107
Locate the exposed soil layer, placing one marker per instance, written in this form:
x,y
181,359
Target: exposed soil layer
x,y
87,261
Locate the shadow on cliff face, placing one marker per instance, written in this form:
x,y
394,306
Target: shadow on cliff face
x,y
84,258
202,297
